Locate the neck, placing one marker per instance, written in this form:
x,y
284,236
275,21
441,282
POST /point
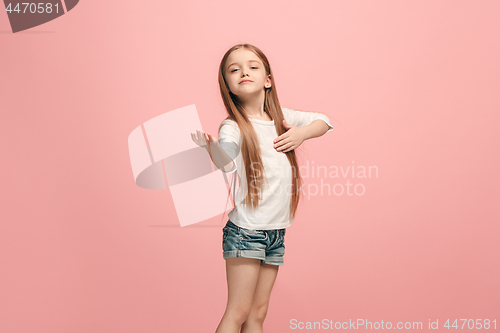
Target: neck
x,y
254,106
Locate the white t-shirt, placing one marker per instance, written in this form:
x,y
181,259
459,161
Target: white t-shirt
x,y
273,211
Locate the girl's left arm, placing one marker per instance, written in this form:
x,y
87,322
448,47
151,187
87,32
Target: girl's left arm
x,y
317,128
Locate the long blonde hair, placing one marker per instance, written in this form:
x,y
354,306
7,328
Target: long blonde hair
x,y
250,148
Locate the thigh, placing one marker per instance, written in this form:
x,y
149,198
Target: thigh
x,y
242,276
267,277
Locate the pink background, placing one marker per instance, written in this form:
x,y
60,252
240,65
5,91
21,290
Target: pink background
x,y
411,87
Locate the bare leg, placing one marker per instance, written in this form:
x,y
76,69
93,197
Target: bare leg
x,y
255,320
242,275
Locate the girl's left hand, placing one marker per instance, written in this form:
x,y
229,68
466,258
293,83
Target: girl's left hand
x,y
289,140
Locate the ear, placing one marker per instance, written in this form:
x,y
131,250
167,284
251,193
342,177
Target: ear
x,y
268,81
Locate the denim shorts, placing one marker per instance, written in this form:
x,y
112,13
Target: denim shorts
x,y
266,245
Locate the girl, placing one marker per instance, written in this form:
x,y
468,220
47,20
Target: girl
x,y
257,140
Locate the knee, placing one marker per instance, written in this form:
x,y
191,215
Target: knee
x,y
239,314
258,313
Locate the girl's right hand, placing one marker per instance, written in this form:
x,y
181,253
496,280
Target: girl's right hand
x,y
201,139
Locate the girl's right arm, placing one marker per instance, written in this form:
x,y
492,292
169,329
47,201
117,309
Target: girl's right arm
x,y
218,155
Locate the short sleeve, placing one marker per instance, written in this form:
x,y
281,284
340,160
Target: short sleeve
x,y
229,132
303,118
229,139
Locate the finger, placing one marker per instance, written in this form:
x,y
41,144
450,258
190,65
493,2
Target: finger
x,y
281,143
208,142
197,140
288,145
200,139
281,137
200,135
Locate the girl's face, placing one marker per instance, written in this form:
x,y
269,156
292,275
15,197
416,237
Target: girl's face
x,y
243,65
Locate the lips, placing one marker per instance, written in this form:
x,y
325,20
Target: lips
x,y
245,81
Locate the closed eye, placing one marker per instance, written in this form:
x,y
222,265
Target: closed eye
x,y
250,67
